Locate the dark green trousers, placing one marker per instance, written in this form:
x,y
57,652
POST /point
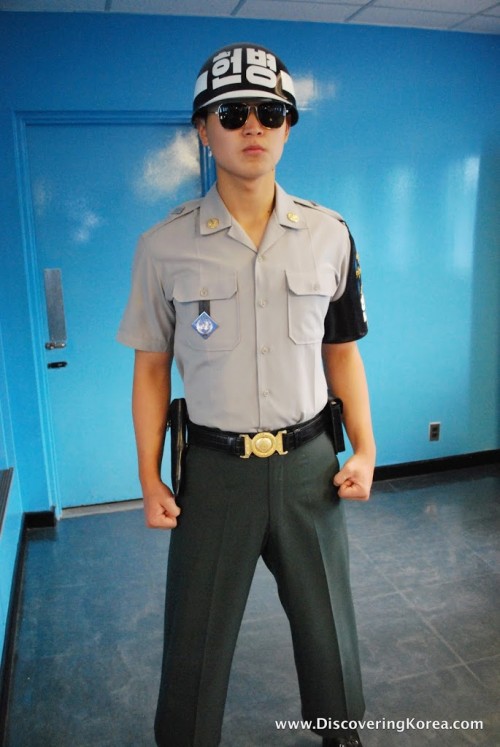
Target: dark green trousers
x,y
285,509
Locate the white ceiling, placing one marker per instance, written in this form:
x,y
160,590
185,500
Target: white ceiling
x,y
477,16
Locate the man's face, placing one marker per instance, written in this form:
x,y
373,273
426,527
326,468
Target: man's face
x,y
248,152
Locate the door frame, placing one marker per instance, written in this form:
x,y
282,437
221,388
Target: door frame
x,y
36,301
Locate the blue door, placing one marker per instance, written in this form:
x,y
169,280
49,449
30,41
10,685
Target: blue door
x,y
95,186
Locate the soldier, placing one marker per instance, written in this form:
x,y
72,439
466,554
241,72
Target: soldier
x,y
257,296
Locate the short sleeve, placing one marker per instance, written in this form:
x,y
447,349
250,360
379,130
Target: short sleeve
x,y
149,319
346,317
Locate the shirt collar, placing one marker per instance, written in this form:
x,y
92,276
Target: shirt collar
x,y
288,212
214,215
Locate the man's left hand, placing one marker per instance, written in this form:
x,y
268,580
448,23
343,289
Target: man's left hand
x,y
355,479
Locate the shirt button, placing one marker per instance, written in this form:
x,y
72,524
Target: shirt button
x,y
266,393
260,258
203,291
262,303
264,349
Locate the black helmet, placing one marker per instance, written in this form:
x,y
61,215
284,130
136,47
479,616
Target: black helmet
x,y
247,71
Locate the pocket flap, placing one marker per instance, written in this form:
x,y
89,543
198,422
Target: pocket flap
x,y
189,288
312,283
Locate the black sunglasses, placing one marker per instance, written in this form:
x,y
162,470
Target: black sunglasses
x,y
234,114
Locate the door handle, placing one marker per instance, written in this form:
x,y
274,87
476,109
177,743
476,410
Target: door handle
x,y
55,309
57,364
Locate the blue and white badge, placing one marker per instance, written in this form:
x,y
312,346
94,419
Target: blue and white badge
x,y
204,325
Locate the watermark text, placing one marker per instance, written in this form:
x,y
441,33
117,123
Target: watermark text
x,y
383,724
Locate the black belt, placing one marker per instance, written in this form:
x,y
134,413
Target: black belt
x,y
262,444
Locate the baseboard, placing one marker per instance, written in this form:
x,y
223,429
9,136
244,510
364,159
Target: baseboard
x,y
30,520
40,519
429,466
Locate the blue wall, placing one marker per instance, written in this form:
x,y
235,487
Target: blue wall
x,y
399,132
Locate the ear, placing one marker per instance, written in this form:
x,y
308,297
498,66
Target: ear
x,y
288,127
201,126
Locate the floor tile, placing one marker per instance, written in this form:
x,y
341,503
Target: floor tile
x,y
424,555
366,578
395,642
466,613
488,672
446,695
89,697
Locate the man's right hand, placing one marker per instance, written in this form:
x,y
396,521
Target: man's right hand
x,y
150,400
160,509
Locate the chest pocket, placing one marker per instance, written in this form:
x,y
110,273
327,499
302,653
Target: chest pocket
x,y
219,295
309,295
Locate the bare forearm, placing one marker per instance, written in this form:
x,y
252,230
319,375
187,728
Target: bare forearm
x,y
150,400
346,379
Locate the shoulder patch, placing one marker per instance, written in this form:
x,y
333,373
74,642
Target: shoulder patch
x,y
316,206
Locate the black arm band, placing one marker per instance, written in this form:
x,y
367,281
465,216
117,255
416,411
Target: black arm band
x,y
345,320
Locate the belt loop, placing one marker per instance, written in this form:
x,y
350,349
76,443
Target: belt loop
x,y
238,446
296,438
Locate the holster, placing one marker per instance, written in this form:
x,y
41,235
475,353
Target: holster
x,y
335,408
177,415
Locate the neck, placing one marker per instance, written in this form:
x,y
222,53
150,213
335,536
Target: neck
x,y
250,203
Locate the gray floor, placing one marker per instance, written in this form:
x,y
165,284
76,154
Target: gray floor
x,y
425,566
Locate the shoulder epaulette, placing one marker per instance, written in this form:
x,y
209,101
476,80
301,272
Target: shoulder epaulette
x,y
316,206
185,209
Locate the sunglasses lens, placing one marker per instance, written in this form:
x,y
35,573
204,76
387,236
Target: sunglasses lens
x,y
271,114
233,115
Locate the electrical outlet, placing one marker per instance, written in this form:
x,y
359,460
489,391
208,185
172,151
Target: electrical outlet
x,y
434,431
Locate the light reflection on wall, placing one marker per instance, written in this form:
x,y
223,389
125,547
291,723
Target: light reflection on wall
x,y
400,187
309,90
462,180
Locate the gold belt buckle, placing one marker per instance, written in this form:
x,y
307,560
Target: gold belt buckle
x,y
263,444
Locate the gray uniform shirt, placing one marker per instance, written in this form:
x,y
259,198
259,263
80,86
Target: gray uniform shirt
x,y
260,368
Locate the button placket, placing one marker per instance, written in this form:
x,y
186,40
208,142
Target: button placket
x,y
263,324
